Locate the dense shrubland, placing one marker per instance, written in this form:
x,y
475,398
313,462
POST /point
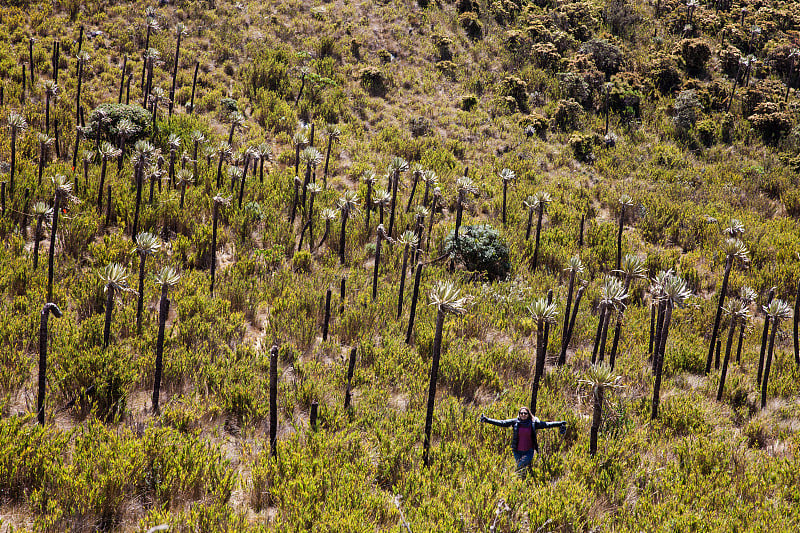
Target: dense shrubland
x,y
636,163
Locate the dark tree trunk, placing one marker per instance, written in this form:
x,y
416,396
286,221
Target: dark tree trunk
x,y
172,156
652,328
368,205
194,84
327,315
580,232
437,347
324,234
768,362
662,345
395,182
312,415
598,333
30,57
529,225
140,299
659,327
764,334
51,255
563,357
619,238
302,86
78,92
46,310
739,344
728,346
342,287
273,401
122,78
351,366
538,366
402,282
414,297
78,136
413,190
538,234
109,312
795,322
163,312
378,242
597,416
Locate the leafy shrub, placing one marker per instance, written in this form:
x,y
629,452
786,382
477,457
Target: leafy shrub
x,y
621,16
625,97
687,109
301,261
663,74
516,89
606,56
791,201
373,81
469,102
581,145
480,250
682,415
106,117
463,371
568,115
268,69
707,131
574,86
471,24
695,54
770,121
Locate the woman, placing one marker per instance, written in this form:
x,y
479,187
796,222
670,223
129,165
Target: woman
x,y
523,443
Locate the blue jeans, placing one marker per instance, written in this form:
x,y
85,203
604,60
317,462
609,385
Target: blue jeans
x,y
523,459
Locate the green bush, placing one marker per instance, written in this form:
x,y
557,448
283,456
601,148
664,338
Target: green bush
x,y
268,69
791,201
106,117
472,25
479,249
373,81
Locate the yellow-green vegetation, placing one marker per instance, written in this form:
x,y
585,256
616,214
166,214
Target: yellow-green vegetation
x,y
511,148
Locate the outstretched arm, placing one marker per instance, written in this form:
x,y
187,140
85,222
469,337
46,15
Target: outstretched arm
x,y
538,424
501,423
